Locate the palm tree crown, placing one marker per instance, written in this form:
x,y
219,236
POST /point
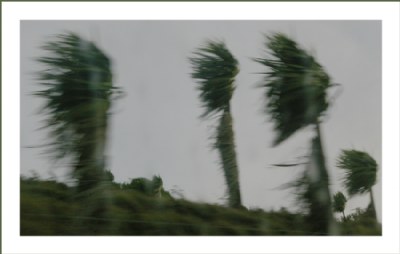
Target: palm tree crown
x,y
360,170
296,86
78,92
339,202
214,68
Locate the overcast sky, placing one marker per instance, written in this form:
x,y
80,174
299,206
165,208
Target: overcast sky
x,y
155,128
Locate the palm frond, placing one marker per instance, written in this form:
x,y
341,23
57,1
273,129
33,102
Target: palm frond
x,y
214,68
77,83
360,171
295,85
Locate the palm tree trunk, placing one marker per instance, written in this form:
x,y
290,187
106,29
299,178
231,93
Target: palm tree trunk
x,y
344,216
371,206
90,167
226,146
91,186
86,170
102,203
320,217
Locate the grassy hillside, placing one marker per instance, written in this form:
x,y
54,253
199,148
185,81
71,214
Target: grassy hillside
x,y
52,208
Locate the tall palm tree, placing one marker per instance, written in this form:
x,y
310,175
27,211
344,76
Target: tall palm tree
x,y
214,69
78,91
296,90
360,170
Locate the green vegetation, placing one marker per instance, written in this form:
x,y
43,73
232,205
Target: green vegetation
x,y
215,69
360,170
339,203
78,94
296,97
153,187
51,208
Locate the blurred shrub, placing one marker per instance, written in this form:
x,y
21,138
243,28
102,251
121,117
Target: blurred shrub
x,y
362,222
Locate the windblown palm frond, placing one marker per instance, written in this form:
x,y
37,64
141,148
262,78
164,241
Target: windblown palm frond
x,y
215,69
296,86
360,170
78,93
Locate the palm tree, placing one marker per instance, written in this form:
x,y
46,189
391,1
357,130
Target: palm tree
x,y
214,69
360,170
78,92
339,203
296,90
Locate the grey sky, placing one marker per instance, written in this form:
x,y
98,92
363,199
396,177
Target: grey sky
x,y
156,128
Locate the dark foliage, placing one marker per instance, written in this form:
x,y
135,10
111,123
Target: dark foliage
x,y
339,202
214,68
360,170
77,92
296,86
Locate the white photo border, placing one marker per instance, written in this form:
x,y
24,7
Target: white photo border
x,y
14,12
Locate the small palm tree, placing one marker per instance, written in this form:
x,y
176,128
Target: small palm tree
x,y
339,203
214,69
78,92
360,174
296,94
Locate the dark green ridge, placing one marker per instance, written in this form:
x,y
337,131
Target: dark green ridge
x,y
51,208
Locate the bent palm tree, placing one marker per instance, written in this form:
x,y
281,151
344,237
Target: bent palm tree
x,y
360,169
296,87
215,69
78,93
